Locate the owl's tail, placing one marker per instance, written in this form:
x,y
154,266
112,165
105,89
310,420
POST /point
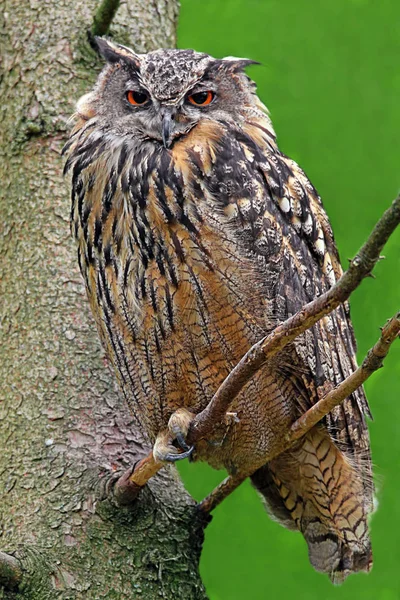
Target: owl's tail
x,y
314,488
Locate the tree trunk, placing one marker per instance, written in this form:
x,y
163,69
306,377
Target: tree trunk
x,y
63,426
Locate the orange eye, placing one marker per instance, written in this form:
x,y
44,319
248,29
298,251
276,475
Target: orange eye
x,y
201,98
137,98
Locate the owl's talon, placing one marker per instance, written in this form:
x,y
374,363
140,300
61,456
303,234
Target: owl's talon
x,y
171,445
179,425
165,450
182,443
179,456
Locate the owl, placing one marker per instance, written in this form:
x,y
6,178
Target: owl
x,y
196,237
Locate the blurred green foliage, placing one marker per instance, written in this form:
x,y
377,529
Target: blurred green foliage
x,y
331,80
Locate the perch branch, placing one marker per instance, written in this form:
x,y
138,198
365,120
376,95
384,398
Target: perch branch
x,y
10,571
205,422
130,483
360,267
371,363
103,17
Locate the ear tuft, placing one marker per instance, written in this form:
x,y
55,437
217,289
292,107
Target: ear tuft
x,y
112,52
230,64
238,64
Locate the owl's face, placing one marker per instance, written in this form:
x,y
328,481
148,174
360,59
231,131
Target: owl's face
x,y
161,96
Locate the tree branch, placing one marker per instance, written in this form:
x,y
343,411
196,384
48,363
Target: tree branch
x,y
206,421
104,16
10,571
360,267
372,362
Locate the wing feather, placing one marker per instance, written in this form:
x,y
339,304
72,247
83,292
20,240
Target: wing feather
x,y
309,266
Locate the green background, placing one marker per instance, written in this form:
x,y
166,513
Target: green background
x,y
331,80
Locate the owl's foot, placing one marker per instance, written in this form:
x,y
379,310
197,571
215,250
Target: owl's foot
x,y
170,444
169,449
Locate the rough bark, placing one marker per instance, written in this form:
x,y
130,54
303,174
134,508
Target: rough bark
x,y
62,422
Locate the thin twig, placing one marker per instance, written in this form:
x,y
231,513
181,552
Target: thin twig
x,y
360,267
143,471
104,16
372,362
222,491
207,420
10,571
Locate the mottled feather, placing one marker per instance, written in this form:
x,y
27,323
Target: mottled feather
x,y
193,252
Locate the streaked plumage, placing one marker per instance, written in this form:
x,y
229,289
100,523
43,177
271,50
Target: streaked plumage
x,y
193,252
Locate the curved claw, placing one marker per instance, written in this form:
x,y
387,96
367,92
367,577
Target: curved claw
x,y
182,442
170,441
181,456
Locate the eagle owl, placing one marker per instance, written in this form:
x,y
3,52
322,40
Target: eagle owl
x,y
196,236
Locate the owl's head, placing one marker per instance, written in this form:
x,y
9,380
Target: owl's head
x,y
162,95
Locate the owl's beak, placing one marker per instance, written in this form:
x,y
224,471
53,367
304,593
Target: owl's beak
x,y
167,126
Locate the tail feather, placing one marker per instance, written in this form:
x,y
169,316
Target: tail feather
x,y
314,488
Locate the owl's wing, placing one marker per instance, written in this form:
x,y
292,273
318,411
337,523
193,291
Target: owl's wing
x,y
290,232
324,485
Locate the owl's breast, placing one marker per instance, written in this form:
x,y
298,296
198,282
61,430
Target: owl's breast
x,y
186,296
176,300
